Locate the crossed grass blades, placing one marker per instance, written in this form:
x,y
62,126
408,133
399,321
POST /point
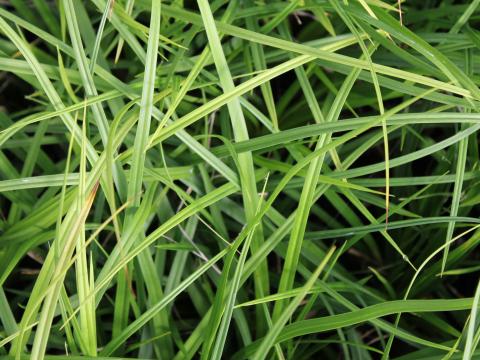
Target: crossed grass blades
x,y
239,179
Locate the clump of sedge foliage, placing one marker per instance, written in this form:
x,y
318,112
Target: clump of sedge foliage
x,y
239,179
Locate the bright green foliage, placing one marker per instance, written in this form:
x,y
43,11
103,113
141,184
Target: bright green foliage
x,y
239,179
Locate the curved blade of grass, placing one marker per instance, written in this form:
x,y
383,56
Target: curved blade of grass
x,y
246,170
317,53
146,105
98,39
306,197
460,171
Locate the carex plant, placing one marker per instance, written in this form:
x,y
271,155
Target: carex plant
x,y
239,179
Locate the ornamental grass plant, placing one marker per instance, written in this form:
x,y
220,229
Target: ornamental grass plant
x,y
241,179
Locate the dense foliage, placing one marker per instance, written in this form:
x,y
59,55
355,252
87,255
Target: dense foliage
x,y
239,179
